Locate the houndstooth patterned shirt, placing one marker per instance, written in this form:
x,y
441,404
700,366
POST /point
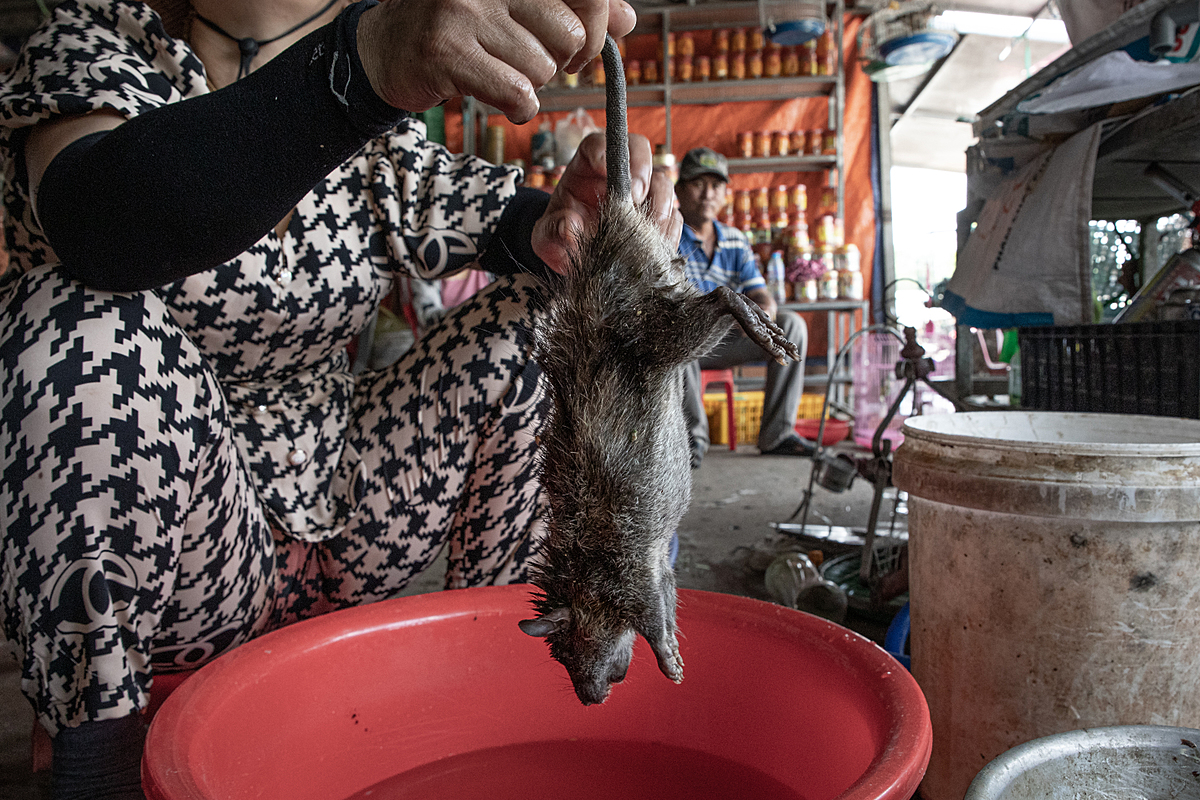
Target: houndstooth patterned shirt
x,y
274,322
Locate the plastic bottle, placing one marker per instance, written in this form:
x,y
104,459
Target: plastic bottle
x,y
793,580
776,282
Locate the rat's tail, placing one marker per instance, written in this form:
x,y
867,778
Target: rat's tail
x,y
617,130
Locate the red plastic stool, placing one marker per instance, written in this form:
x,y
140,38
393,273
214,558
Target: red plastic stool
x,y
724,376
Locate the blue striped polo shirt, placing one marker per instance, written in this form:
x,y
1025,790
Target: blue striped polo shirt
x,y
733,263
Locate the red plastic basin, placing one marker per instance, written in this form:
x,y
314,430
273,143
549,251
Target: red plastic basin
x,y
441,695
836,430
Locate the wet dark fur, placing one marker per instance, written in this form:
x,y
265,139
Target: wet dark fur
x,y
616,463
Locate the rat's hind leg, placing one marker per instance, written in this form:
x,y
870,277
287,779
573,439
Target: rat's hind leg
x,y
659,628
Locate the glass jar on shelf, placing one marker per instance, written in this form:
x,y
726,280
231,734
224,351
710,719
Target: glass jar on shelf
x,y
762,144
773,62
762,200
670,52
827,202
780,143
826,53
685,44
826,232
808,58
633,72
798,199
829,143
737,40
797,141
816,139
745,144
779,198
737,66
824,257
850,259
791,62
796,244
684,68
720,67
742,202
754,64
828,285
721,40
850,285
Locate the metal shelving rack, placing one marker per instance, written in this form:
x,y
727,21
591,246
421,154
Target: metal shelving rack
x,y
661,19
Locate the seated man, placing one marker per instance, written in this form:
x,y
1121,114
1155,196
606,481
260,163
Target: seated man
x,y
718,255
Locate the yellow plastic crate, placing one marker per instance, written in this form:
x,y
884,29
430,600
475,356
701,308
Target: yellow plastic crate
x,y
747,414
810,406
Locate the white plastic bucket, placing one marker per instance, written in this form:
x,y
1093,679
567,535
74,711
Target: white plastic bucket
x,y
1054,578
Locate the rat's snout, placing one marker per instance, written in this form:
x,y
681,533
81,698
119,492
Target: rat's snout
x,y
593,692
601,667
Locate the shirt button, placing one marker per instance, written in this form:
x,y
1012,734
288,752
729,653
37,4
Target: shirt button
x,y
297,457
284,278
261,409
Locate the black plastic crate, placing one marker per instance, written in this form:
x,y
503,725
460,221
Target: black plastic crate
x,y
1131,368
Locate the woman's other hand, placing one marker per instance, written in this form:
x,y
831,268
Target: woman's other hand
x,y
419,53
576,200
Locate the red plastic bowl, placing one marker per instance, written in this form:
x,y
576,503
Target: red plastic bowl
x,y
836,430
441,695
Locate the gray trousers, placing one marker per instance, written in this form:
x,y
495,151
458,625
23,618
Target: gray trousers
x,y
781,396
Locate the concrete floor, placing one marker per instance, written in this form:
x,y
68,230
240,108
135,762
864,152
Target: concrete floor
x,y
726,543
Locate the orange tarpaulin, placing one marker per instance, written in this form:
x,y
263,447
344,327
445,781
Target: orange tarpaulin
x,y
718,125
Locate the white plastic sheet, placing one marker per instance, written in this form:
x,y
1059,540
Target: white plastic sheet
x,y
1112,78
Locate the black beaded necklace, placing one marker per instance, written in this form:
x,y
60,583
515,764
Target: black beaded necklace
x,y
250,46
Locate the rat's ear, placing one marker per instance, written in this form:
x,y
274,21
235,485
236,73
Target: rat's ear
x,y
548,623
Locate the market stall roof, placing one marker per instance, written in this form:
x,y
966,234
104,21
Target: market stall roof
x,y
1147,135
933,114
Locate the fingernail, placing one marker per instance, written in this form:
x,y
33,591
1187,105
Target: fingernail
x,y
565,231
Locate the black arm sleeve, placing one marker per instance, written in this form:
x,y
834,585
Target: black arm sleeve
x,y
510,249
193,184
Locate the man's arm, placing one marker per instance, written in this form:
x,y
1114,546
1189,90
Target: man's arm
x,y
765,301
749,275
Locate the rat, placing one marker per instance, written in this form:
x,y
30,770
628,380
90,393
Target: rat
x,y
615,461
